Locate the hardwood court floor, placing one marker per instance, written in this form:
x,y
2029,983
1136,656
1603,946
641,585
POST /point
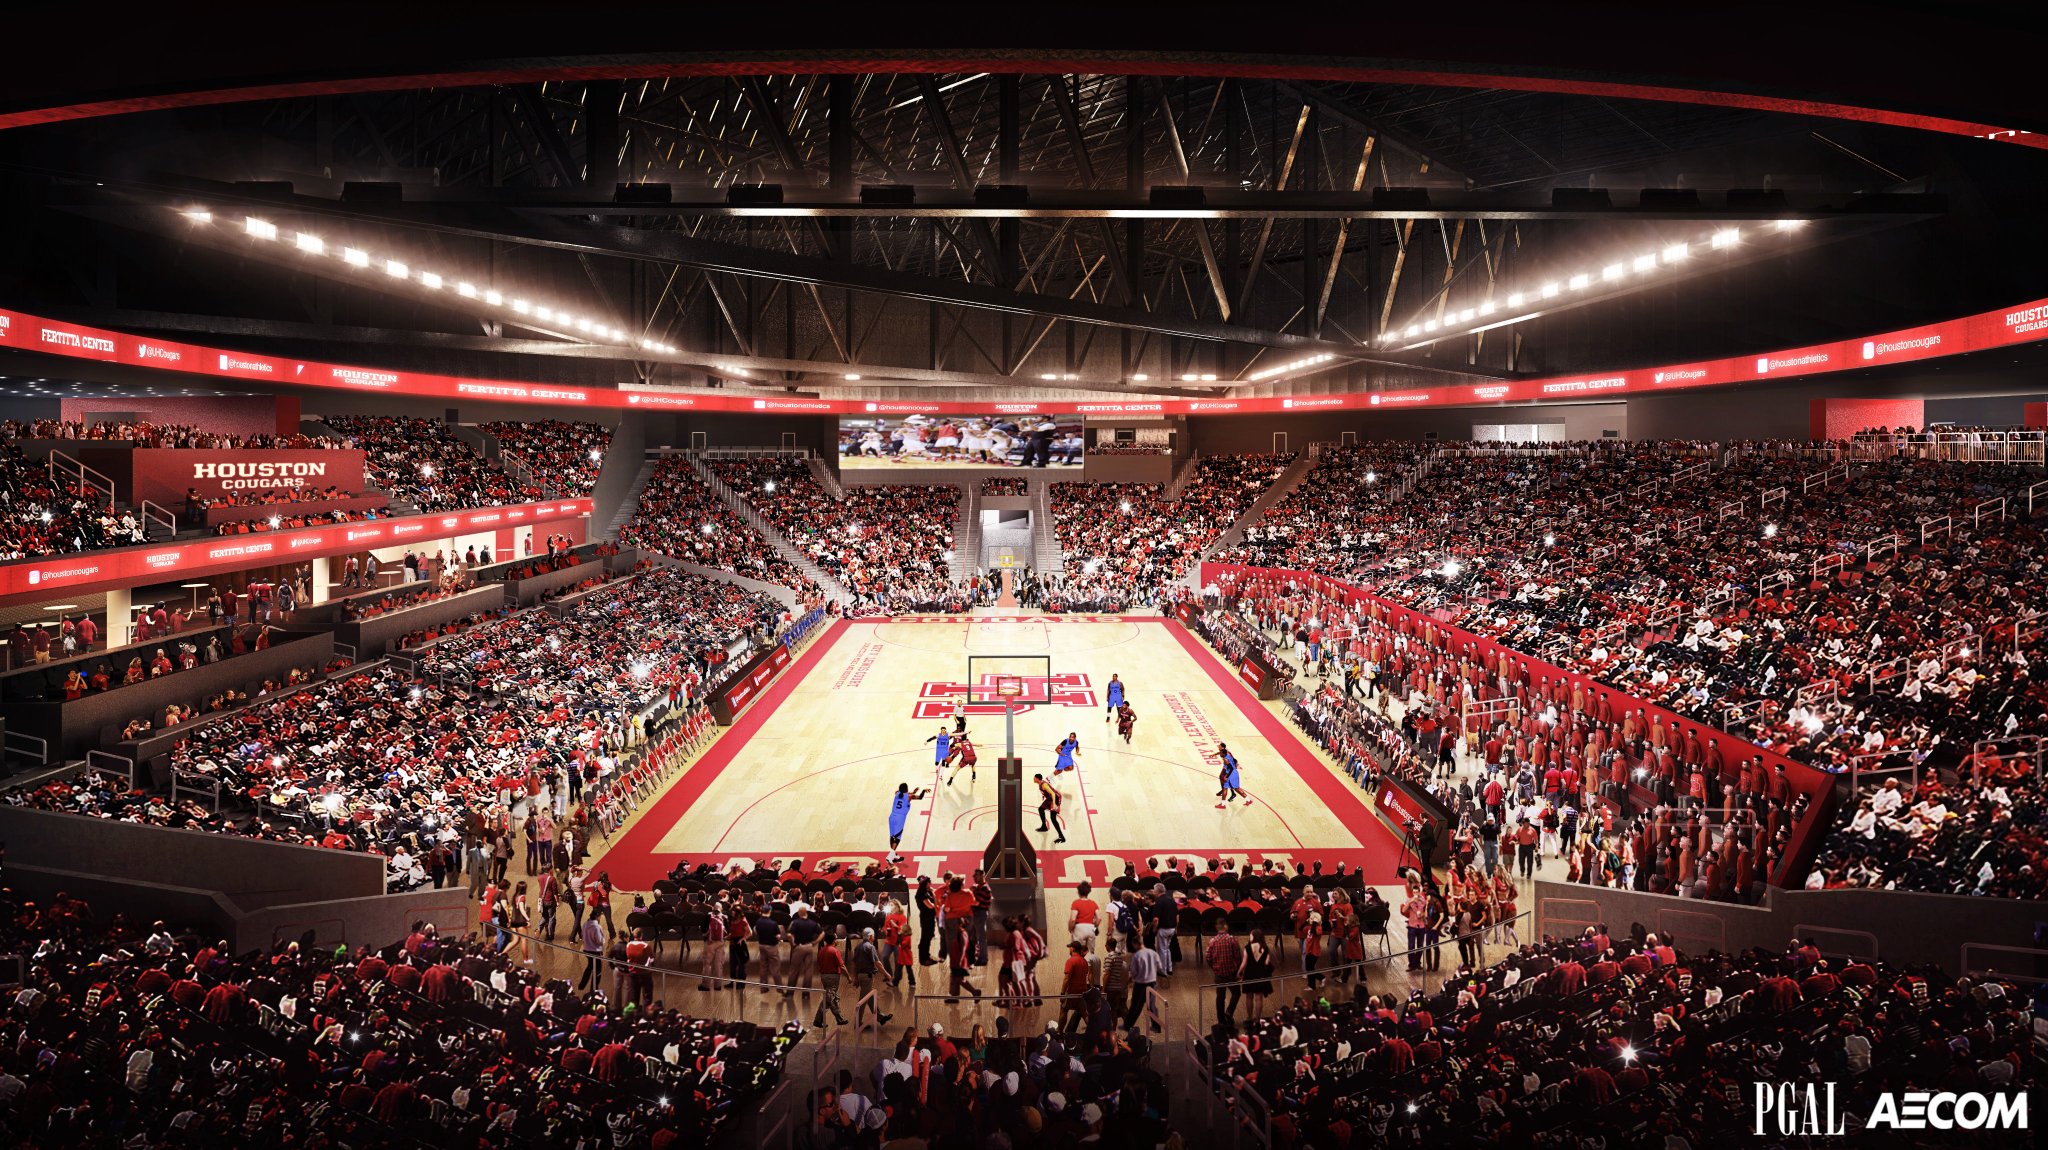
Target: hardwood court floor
x,y
809,769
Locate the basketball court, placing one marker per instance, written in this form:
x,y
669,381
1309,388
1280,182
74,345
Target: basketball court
x,y
809,769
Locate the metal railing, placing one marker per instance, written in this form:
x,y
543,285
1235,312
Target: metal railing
x,y
2003,446
15,745
73,475
1341,973
158,517
102,761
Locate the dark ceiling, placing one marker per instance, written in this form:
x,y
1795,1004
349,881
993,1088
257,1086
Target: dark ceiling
x,y
519,180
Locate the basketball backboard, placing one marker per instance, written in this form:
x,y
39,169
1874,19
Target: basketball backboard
x,y
1016,680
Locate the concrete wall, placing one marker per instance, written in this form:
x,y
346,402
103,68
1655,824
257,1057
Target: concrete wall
x,y
1895,926
776,591
372,920
622,462
373,638
1118,469
527,592
253,873
95,721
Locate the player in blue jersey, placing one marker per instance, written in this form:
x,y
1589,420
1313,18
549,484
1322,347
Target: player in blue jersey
x,y
1068,748
944,750
1232,783
899,813
1116,697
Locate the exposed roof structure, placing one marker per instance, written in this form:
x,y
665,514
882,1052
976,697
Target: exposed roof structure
x,y
1227,223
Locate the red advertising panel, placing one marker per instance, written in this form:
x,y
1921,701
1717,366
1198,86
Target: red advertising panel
x,y
2021,323
749,684
97,570
164,474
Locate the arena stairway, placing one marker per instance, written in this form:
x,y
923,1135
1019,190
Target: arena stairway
x,y
1046,553
824,476
1288,481
766,531
629,503
966,554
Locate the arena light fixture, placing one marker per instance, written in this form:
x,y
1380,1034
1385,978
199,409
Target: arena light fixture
x,y
1790,225
1551,289
1515,299
493,298
1579,282
1726,238
1486,308
198,215
1645,263
259,229
1141,377
1208,377
1188,377
465,289
543,312
1429,325
432,281
355,257
1613,272
1677,253
397,270
1049,375
853,377
309,243
522,307
1770,531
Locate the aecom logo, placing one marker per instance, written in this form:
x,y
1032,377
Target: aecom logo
x,y
1788,1109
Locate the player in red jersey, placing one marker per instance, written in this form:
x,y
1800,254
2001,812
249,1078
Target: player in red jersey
x,y
962,756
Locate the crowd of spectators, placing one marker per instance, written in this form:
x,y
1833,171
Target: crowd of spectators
x,y
510,714
1714,582
1980,832
1133,535
1391,699
1005,486
424,463
1601,1040
681,516
146,1036
663,634
81,676
140,433
890,545
40,516
564,456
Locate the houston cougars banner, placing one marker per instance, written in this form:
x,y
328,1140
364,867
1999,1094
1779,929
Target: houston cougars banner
x,y
2021,323
165,474
97,570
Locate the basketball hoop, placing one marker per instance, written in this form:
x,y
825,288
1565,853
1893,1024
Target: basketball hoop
x,y
1009,687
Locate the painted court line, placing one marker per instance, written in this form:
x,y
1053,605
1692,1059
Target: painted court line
x,y
1344,802
631,860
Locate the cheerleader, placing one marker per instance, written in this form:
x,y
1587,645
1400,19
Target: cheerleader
x,y
1504,909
